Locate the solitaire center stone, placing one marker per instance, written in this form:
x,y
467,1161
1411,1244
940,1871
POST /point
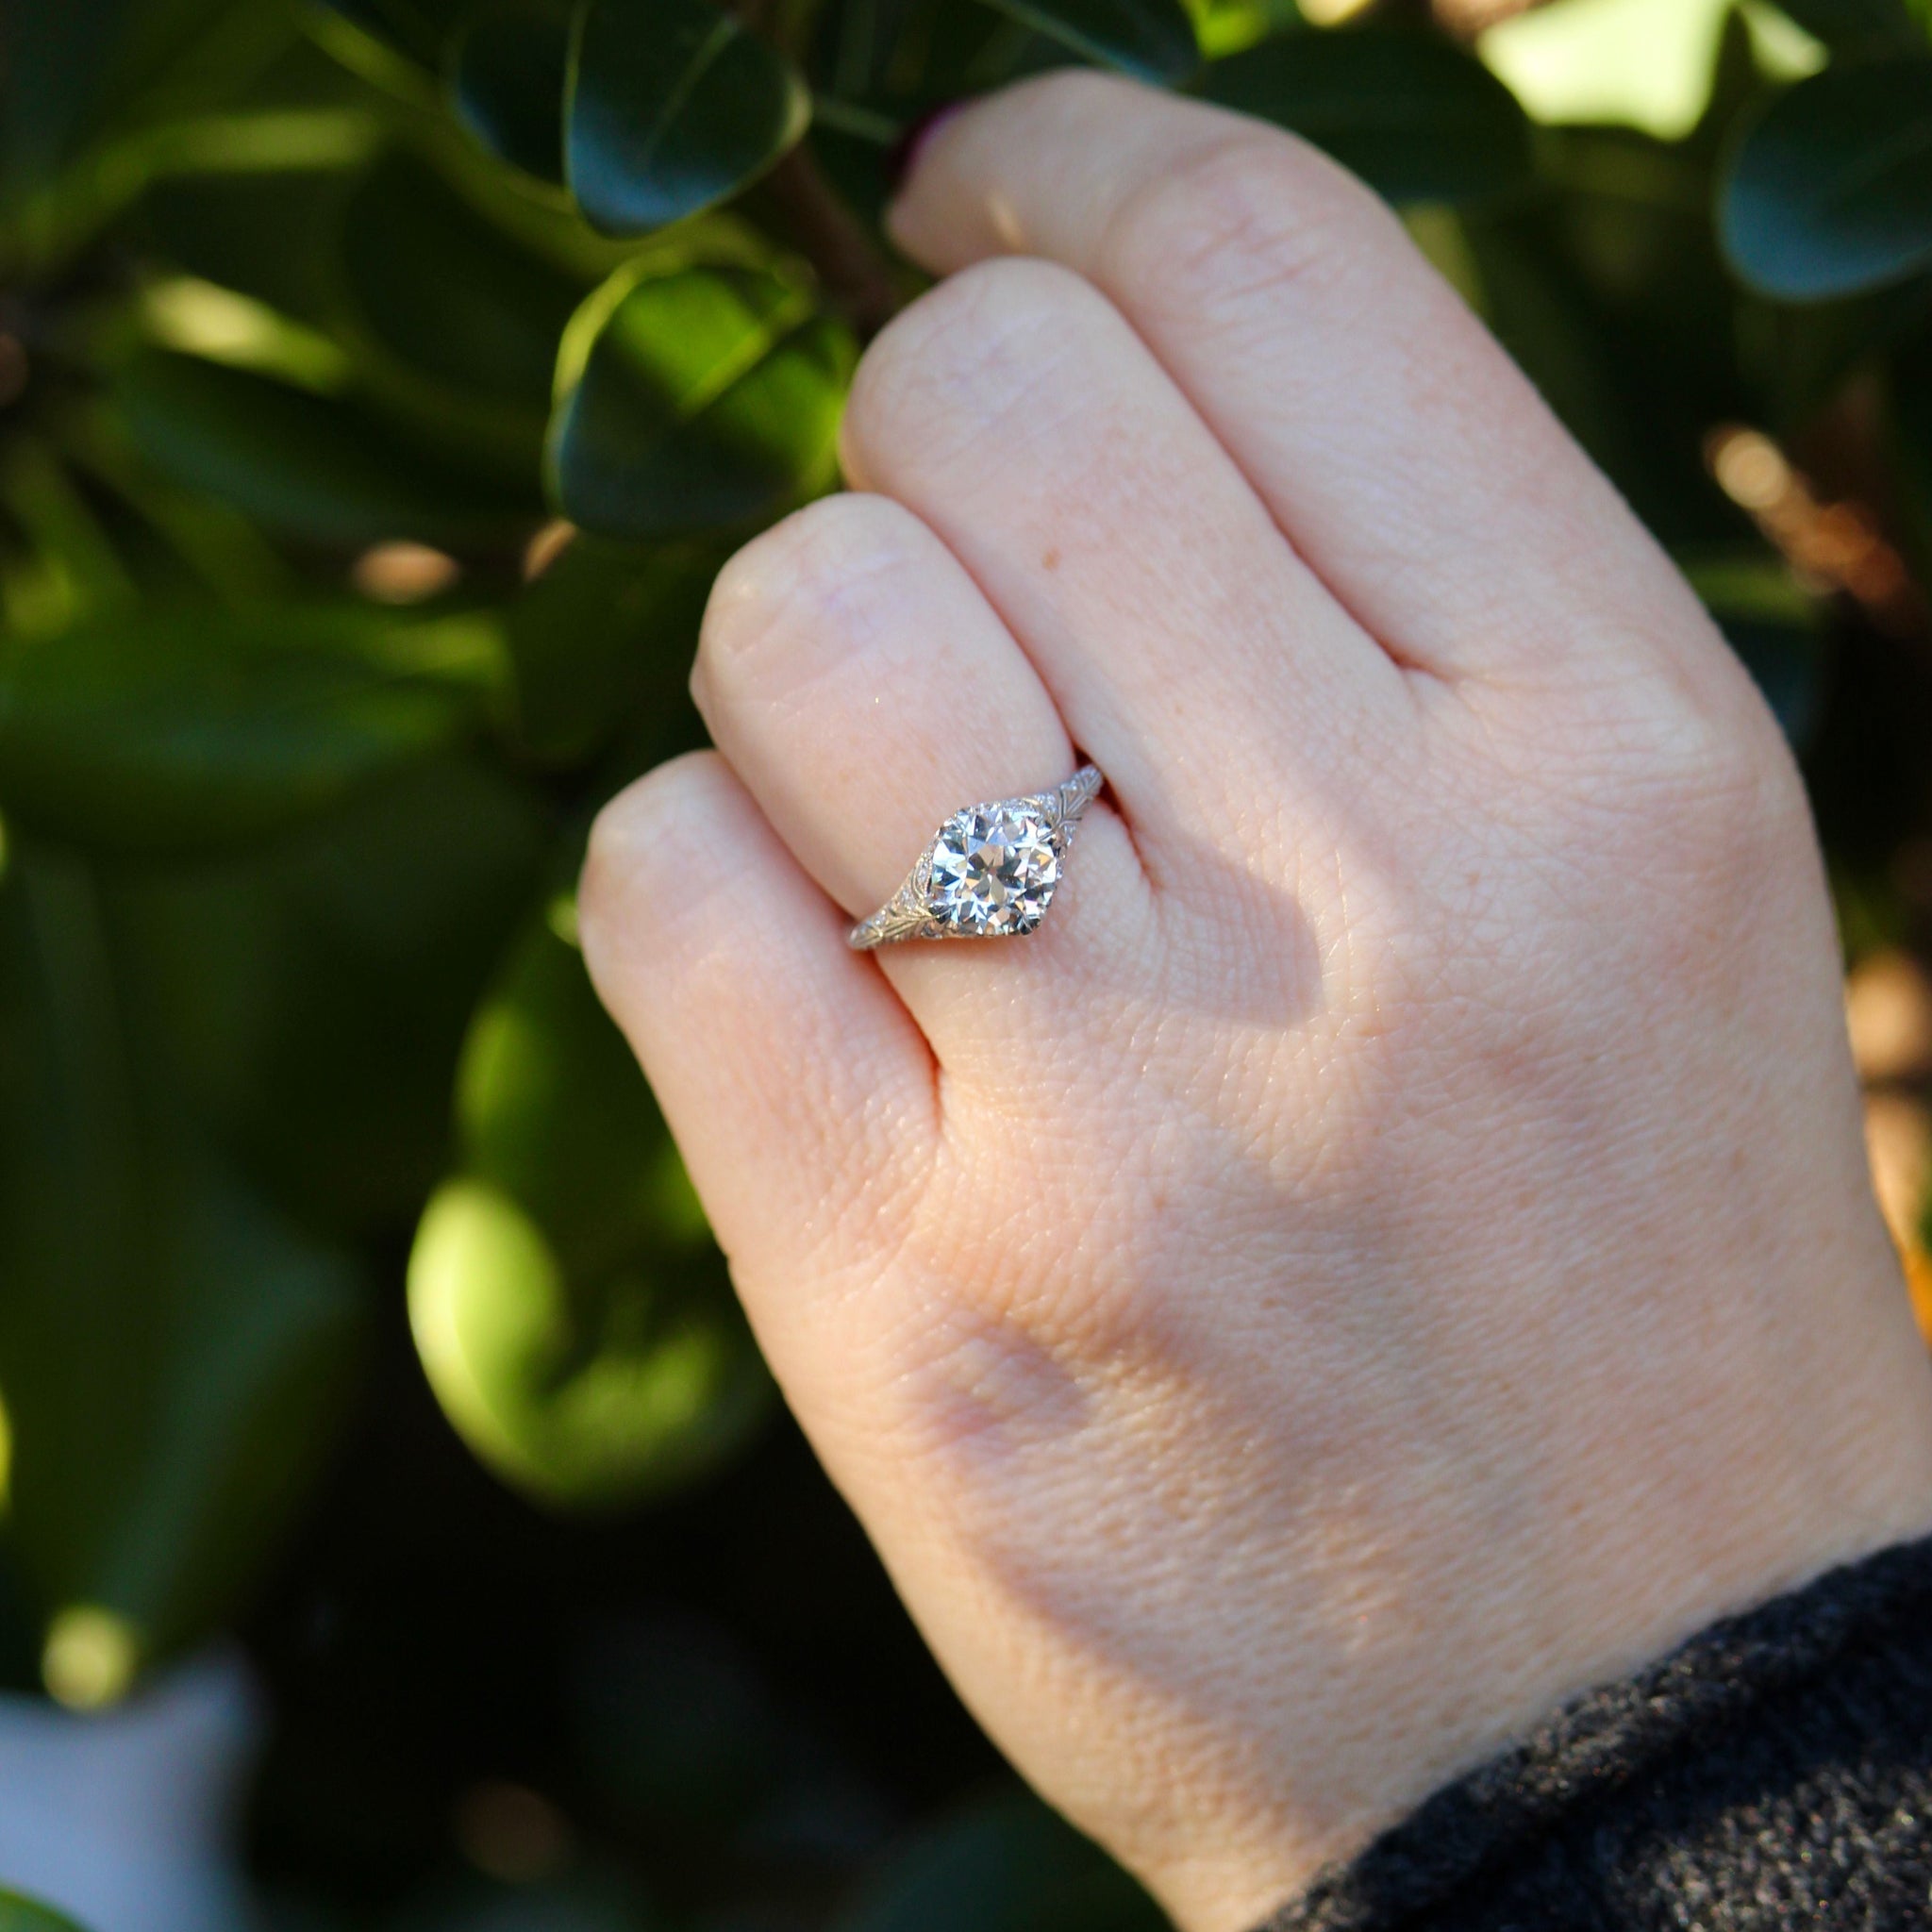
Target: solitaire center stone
x,y
994,868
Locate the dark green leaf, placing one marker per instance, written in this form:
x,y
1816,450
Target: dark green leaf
x,y
1831,191
257,231
695,399
1911,438
569,1310
673,106
171,1350
1153,40
508,73
69,62
449,293
1008,1862
18,1914
197,730
419,29
1853,23
1415,117
605,634
310,997
322,467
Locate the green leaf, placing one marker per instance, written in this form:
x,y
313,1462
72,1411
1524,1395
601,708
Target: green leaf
x,y
1842,24
695,399
570,1311
605,635
310,997
172,1351
419,29
325,468
185,732
1152,39
257,230
673,106
1648,64
70,64
1414,116
18,1914
1831,191
1007,1862
508,73
447,292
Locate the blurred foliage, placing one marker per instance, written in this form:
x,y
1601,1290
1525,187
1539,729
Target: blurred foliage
x,y
381,384
19,1914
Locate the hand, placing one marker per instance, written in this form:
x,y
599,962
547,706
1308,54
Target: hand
x,y
1395,1248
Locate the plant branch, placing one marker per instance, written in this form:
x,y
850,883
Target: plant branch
x,y
851,266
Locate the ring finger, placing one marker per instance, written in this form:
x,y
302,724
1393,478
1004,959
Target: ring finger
x,y
863,689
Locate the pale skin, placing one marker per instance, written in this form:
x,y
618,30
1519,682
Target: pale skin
x,y
1394,1249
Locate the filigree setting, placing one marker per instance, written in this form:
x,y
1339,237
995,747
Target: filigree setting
x,y
1000,863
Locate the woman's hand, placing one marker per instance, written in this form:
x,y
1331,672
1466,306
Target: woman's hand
x,y
1394,1248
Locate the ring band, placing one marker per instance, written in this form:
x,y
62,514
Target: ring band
x,y
990,872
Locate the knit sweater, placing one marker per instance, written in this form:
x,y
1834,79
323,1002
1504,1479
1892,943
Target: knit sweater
x,y
1775,1772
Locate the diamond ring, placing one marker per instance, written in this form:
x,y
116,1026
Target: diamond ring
x,y
990,873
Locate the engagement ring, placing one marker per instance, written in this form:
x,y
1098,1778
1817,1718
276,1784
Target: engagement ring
x,y
990,873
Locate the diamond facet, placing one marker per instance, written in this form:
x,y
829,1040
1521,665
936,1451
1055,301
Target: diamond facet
x,y
994,868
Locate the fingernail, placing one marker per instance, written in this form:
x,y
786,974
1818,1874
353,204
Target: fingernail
x,y
907,150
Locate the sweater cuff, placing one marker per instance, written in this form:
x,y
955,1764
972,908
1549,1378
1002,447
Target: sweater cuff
x,y
1774,1773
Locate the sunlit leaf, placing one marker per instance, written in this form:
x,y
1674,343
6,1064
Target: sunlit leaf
x,y
172,1351
508,73
592,1395
693,399
1153,40
1007,1862
568,1307
673,106
1831,191
1641,63
325,468
19,1914
169,733
1415,117
551,1110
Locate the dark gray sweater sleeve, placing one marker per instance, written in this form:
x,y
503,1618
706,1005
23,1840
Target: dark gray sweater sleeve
x,y
1775,1773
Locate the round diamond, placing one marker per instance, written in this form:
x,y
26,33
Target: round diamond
x,y
993,870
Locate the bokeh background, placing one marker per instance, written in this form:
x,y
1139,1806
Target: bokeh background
x,y
397,1527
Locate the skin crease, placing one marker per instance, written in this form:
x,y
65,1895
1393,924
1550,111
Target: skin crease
x,y
1394,1249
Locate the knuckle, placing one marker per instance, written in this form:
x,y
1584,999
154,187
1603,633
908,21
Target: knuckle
x,y
1251,216
1684,803
802,574
983,344
1084,95
636,832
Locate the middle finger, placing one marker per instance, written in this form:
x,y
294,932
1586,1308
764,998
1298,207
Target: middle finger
x,y
1190,651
